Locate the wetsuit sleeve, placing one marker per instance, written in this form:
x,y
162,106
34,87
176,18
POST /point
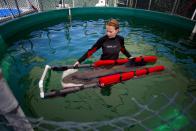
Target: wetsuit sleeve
x,y
123,49
92,50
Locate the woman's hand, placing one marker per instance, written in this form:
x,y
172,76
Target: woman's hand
x,y
76,64
130,58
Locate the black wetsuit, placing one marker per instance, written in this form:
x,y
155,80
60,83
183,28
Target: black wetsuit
x,y
111,48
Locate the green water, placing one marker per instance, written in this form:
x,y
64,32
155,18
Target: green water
x,y
65,42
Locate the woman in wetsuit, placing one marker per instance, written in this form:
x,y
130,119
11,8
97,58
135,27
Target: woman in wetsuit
x,y
111,44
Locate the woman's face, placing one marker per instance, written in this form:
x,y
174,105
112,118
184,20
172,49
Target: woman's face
x,y
111,31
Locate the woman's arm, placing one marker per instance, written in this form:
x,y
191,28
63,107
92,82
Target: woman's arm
x,y
92,50
123,49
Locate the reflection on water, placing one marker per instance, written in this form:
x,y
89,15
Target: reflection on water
x,y
64,43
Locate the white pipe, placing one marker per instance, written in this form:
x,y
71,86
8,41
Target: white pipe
x,y
127,3
131,3
63,2
69,15
115,3
193,33
41,86
69,11
73,3
149,5
193,16
135,3
194,30
174,6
